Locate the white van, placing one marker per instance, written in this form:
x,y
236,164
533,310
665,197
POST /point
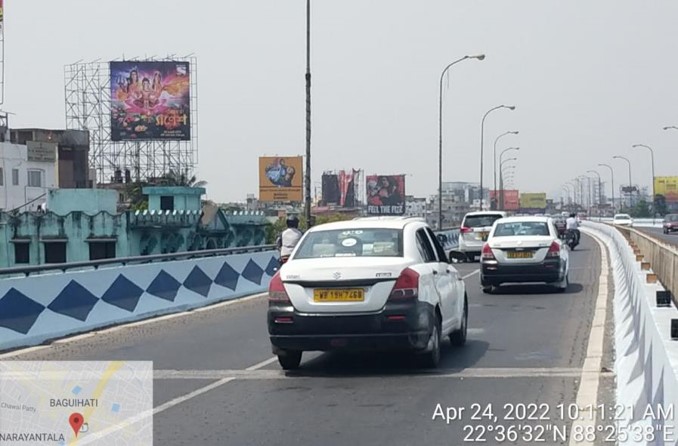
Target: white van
x,y
474,230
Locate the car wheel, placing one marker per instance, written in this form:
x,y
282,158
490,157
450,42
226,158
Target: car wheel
x,y
458,337
431,359
562,285
289,359
487,289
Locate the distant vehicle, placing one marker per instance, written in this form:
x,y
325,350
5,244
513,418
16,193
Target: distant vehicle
x,y
524,249
367,284
475,227
622,220
560,223
670,223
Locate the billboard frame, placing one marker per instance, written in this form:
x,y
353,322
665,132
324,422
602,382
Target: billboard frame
x,y
88,107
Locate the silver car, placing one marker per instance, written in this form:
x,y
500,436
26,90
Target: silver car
x,y
475,227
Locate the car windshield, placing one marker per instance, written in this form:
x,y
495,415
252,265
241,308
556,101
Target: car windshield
x,y
481,221
366,242
622,217
671,217
521,228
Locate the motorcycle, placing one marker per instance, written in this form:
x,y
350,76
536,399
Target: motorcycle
x,y
570,238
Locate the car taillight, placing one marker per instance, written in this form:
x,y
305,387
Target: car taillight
x,y
407,286
487,253
465,230
554,250
276,290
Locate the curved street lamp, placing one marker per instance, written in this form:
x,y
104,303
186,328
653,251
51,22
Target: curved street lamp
x,y
630,183
600,198
501,183
440,136
494,158
654,197
482,144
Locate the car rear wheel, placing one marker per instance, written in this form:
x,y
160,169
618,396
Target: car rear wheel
x,y
487,289
562,285
431,359
458,337
289,359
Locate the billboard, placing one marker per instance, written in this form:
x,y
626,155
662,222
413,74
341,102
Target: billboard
x,y
533,200
281,178
2,14
668,187
511,199
150,101
385,194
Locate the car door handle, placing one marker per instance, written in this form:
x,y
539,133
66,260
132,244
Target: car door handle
x,y
435,272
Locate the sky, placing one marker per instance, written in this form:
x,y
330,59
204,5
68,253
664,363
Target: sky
x,y
588,79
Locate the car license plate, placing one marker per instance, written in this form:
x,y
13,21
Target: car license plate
x,y
339,295
483,236
519,254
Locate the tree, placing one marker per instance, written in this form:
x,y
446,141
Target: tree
x,y
174,178
641,210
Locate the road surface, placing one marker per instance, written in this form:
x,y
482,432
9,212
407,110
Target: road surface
x,y
218,384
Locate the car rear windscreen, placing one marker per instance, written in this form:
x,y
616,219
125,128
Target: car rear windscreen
x,y
480,221
367,242
671,217
521,228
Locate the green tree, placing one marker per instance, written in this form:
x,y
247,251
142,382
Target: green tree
x,y
641,210
175,178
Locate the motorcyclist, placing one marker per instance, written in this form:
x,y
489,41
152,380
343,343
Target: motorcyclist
x,y
572,225
289,238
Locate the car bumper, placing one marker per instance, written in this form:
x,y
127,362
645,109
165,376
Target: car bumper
x,y
402,326
497,273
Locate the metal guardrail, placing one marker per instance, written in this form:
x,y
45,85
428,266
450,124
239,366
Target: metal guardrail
x,y
136,260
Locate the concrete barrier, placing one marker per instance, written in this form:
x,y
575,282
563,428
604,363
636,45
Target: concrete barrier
x,y
52,305
646,361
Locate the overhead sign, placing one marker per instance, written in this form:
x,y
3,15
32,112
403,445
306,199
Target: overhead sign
x,y
385,194
41,151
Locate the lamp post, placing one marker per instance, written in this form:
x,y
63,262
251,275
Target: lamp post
x,y
501,184
612,186
482,144
307,209
630,183
654,197
440,136
494,160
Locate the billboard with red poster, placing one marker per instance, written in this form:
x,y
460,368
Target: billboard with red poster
x,y
511,199
385,194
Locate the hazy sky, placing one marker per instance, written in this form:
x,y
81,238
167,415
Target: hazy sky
x,y
588,78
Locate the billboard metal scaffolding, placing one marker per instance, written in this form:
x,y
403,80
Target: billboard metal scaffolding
x,y
88,107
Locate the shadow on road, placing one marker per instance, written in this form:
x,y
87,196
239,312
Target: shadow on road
x,y
354,365
545,290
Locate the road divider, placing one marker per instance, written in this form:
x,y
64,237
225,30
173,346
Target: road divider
x,y
646,362
49,306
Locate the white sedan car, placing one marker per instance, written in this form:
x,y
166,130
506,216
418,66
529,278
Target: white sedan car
x,y
622,220
367,284
524,249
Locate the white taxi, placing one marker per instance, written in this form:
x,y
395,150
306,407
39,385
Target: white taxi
x,y
364,285
524,249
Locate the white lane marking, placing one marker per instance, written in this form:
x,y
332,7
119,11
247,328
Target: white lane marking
x,y
262,364
152,320
168,405
587,395
470,274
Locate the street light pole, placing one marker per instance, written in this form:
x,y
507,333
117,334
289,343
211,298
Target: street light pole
x,y
308,115
494,160
501,183
654,197
440,136
482,145
612,176
630,182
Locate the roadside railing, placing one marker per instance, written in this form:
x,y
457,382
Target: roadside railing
x,y
125,261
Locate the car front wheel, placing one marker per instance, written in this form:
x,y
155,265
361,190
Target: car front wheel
x,y
289,359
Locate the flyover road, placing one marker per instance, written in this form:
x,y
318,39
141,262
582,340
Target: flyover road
x,y
670,238
216,382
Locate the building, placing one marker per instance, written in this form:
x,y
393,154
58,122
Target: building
x,y
416,207
83,225
458,198
36,160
